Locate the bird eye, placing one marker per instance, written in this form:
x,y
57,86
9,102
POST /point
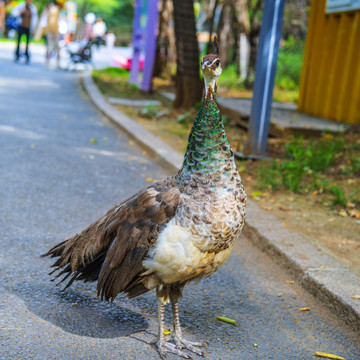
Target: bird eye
x,y
217,63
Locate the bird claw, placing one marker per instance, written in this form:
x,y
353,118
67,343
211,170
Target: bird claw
x,y
189,345
171,348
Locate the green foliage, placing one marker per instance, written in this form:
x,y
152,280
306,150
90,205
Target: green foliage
x,y
185,118
229,78
317,155
339,194
117,15
111,72
288,72
289,64
149,111
305,167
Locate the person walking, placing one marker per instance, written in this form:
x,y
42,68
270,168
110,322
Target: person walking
x,y
52,32
99,31
28,14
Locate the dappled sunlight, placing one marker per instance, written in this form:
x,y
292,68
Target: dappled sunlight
x,y
27,83
123,155
21,133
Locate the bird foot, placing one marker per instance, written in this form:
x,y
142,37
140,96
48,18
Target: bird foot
x,y
180,343
189,345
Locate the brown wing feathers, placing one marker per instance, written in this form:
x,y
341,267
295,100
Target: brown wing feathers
x,y
113,247
136,233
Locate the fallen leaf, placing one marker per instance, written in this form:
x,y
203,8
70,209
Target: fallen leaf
x,y
343,213
355,297
284,208
354,213
144,152
255,345
131,142
350,204
284,223
227,320
149,179
289,282
75,303
305,309
105,138
256,194
167,331
329,356
266,207
279,295
93,141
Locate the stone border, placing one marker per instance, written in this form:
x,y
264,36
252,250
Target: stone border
x,y
329,281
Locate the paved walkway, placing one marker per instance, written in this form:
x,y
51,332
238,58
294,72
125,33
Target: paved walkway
x,y
54,181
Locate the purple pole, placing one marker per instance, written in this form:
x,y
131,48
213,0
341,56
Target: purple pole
x,y
136,43
150,44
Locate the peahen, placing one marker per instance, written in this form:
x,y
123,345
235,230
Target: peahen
x,y
176,230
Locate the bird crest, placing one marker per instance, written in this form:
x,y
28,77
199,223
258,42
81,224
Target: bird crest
x,y
216,46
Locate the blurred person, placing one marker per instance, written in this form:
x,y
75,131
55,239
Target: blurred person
x,y
63,29
110,39
52,32
88,26
99,31
2,17
42,25
27,12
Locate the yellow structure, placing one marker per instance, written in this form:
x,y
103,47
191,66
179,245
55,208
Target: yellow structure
x,y
330,79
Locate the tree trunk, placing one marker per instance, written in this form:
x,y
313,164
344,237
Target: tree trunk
x,y
255,23
165,44
211,18
243,21
225,33
188,83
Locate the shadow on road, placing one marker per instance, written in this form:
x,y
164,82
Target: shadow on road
x,y
79,313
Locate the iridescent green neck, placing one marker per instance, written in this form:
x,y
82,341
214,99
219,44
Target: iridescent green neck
x,y
208,152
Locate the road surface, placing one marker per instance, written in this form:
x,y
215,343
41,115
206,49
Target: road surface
x,y
62,166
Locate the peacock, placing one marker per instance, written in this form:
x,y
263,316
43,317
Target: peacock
x,y
171,232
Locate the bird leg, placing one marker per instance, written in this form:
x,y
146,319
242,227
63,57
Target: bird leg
x,y
163,345
180,342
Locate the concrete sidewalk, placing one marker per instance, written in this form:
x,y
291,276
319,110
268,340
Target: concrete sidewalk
x,y
329,281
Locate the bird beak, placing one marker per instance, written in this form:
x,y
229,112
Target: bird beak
x,y
205,65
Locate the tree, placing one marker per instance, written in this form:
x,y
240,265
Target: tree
x,y
188,83
165,42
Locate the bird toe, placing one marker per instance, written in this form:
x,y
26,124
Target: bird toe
x,y
189,345
165,347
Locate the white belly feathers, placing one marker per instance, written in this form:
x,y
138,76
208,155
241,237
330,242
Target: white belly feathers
x,y
175,257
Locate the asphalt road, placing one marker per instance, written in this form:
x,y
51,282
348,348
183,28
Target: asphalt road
x,y
55,179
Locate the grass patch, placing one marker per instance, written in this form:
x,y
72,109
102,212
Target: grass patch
x,y
32,41
321,166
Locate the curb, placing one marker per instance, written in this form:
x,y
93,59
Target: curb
x,y
329,281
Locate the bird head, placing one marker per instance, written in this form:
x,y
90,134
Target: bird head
x,y
211,68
